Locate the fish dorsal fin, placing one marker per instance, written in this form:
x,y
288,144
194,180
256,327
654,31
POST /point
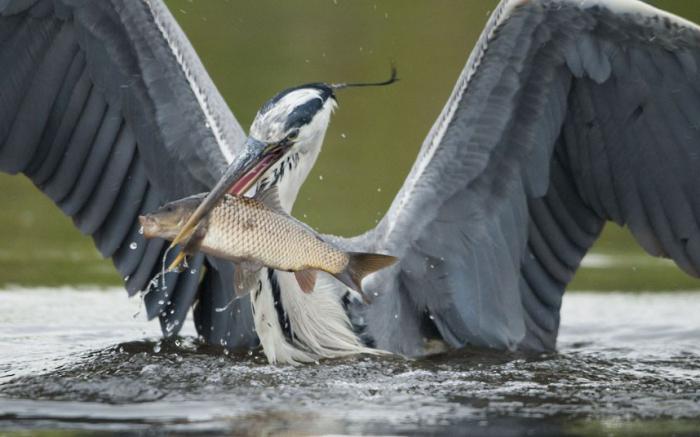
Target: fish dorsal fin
x,y
306,280
270,197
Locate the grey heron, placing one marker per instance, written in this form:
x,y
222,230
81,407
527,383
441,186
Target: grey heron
x,y
568,113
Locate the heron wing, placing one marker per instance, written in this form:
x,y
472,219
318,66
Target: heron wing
x,y
568,113
105,106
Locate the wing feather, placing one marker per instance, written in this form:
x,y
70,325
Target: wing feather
x,y
107,109
568,113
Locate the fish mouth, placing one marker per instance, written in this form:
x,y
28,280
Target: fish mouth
x,y
241,174
149,225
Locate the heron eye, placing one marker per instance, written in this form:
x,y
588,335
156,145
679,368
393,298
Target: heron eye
x,y
293,135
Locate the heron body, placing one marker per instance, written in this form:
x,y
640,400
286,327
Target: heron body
x,y
567,114
294,327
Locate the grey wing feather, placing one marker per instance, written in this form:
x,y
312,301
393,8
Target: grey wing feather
x,y
107,109
567,114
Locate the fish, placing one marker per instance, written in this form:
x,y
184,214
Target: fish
x,y
254,232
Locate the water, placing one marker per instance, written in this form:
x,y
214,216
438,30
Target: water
x,y
75,359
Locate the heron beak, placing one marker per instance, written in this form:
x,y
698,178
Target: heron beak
x,y
241,174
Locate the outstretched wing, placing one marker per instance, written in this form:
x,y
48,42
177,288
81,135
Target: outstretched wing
x,y
568,113
106,108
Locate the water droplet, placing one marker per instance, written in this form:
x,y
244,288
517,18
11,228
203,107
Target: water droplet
x,y
126,278
396,316
133,245
343,135
320,177
156,348
141,230
226,352
207,125
161,302
193,271
431,317
379,189
432,266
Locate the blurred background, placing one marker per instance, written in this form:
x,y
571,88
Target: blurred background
x,y
254,48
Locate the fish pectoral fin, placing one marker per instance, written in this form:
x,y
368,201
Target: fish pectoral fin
x,y
271,198
306,280
244,279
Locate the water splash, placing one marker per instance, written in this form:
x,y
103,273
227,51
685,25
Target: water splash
x,y
154,284
228,305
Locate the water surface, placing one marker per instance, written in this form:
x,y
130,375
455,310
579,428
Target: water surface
x,y
77,360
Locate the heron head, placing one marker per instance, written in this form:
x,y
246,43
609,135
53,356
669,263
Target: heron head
x,y
293,121
295,118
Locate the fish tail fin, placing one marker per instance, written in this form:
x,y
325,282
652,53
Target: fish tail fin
x,y
360,265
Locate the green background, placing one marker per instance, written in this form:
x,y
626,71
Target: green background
x,y
253,49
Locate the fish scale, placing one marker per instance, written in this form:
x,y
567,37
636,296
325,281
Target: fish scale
x,y
247,229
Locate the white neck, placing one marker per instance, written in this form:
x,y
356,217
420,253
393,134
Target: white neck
x,y
298,166
290,172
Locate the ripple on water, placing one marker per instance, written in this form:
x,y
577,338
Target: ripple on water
x,y
590,386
